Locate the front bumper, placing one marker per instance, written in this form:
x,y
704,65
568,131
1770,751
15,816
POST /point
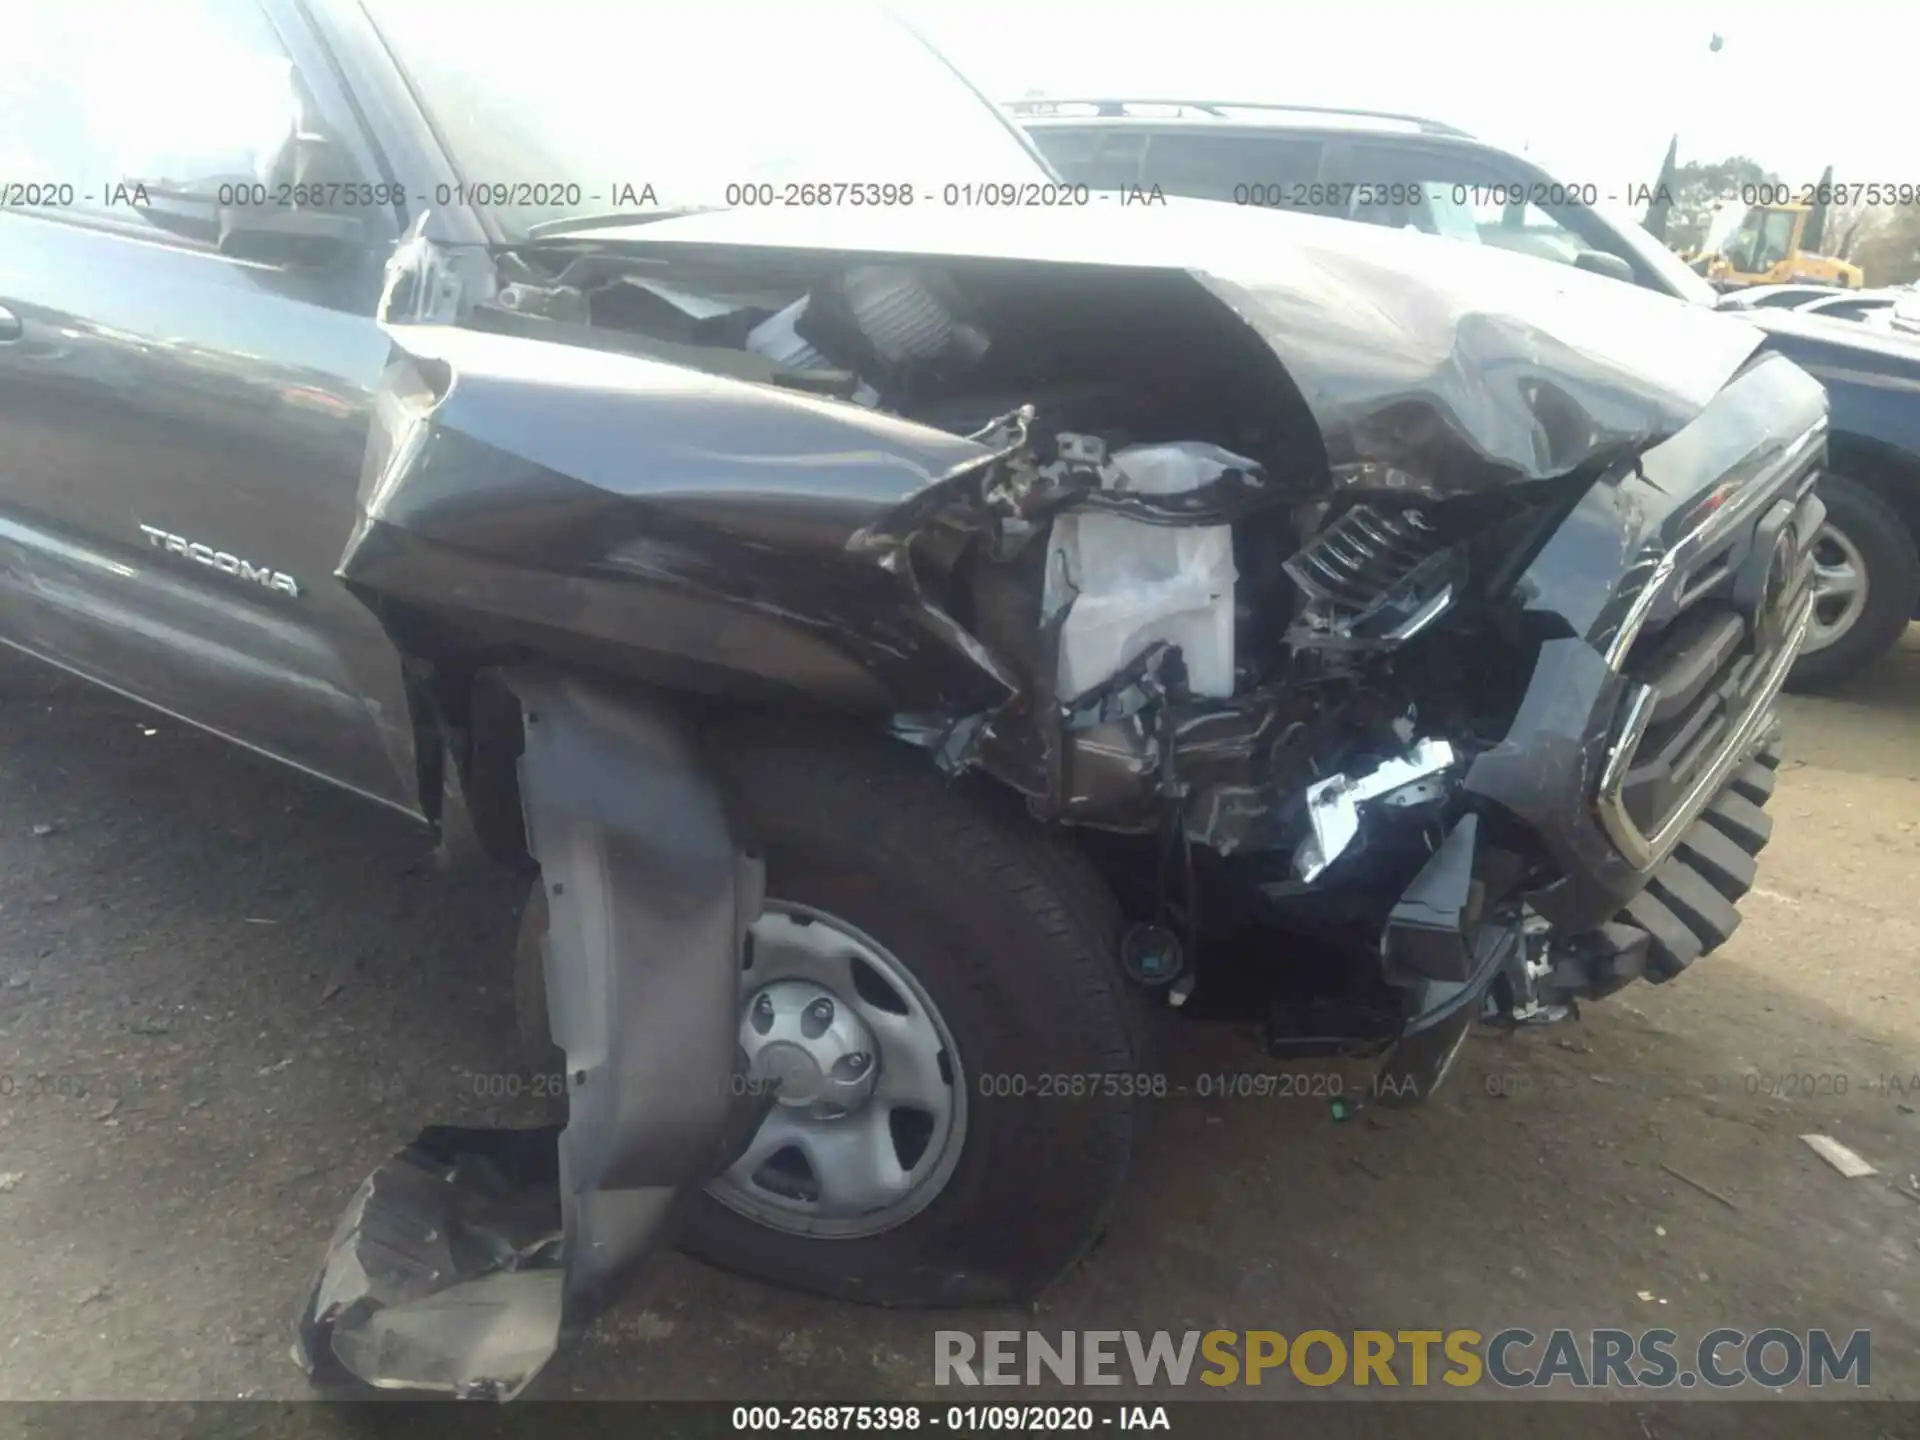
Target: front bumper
x,y
1675,596
1643,752
1688,905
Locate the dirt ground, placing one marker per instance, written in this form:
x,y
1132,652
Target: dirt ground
x,y
227,992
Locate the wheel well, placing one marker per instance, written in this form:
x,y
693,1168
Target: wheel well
x,y
486,749
1895,478
471,735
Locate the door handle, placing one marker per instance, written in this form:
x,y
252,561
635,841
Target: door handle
x,y
10,326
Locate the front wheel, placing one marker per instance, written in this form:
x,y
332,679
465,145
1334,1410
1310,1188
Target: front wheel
x,y
933,989
1866,579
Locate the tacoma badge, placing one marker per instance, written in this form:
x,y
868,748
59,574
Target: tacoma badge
x,y
220,560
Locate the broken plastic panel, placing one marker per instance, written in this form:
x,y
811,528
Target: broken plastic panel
x,y
444,1275
1440,1014
1427,931
458,1261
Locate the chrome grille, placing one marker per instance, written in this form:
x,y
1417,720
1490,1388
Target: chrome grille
x,y
1704,683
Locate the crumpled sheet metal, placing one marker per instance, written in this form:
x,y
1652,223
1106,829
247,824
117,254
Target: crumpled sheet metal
x,y
1431,367
657,522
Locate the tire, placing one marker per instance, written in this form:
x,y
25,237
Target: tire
x,y
1885,547
1012,935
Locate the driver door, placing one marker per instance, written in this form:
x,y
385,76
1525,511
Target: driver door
x,y
182,429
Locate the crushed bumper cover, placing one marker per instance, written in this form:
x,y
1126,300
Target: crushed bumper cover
x,y
1644,750
1688,907
1659,680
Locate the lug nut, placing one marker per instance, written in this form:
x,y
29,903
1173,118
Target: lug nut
x,y
819,1015
855,1064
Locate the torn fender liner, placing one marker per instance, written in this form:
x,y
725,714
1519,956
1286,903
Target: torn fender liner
x,y
458,1261
649,901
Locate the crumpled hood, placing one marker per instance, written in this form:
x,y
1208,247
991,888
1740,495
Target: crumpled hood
x,y
1430,365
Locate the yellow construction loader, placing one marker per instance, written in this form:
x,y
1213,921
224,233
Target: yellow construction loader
x,y
1774,243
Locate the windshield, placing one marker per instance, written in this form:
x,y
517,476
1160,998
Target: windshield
x,y
1674,272
1452,216
1740,249
1776,240
573,108
1624,227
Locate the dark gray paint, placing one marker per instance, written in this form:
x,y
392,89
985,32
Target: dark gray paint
x,y
157,383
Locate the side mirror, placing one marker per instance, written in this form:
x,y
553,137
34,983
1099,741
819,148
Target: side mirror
x,y
310,239
1601,263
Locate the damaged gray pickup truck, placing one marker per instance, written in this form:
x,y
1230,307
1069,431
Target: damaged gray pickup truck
x,y
901,642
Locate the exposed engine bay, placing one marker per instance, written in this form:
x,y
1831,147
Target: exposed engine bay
x,y
1283,591
1190,640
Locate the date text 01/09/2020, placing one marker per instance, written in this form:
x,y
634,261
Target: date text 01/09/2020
x,y
954,1419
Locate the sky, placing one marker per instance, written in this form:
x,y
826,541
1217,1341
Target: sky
x,y
1593,93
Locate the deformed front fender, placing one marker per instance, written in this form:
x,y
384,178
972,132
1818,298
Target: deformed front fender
x,y
459,1262
641,518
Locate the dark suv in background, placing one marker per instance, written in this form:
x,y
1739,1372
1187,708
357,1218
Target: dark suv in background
x,y
1405,172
